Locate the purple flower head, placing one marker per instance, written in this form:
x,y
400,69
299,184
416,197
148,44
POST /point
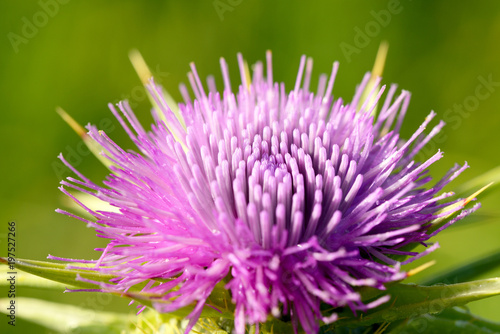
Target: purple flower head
x,y
290,200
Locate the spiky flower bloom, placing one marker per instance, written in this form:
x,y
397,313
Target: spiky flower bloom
x,y
292,200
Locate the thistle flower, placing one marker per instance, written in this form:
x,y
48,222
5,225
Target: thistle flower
x,y
290,200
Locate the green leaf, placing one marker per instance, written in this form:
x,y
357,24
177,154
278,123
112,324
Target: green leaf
x,y
452,320
467,272
463,314
59,273
219,298
433,324
409,300
491,176
28,280
68,318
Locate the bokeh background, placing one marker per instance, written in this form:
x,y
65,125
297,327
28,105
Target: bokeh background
x,y
73,54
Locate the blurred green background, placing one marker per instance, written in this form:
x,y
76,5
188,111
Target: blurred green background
x,y
73,54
